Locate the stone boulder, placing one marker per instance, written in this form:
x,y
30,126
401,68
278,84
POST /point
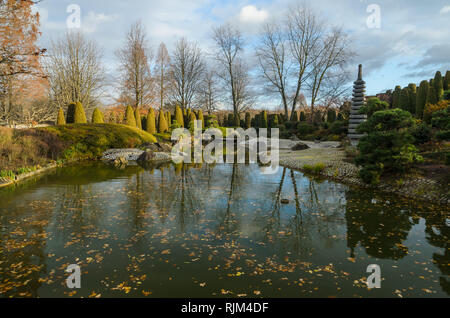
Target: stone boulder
x,y
120,162
299,146
146,156
156,147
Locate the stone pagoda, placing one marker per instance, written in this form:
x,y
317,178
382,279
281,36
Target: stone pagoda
x,y
358,101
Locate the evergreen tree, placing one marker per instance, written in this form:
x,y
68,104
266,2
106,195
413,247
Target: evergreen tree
x,y
169,118
129,117
237,121
61,119
412,98
403,101
179,116
70,119
446,82
137,118
248,121
431,95
438,86
230,120
151,122
200,117
295,116
302,116
275,121
340,117
162,123
331,116
80,115
421,98
97,117
396,97
264,123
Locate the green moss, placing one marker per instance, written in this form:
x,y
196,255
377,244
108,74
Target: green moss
x,y
91,140
317,168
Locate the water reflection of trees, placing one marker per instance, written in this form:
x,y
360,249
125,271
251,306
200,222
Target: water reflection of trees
x,y
378,227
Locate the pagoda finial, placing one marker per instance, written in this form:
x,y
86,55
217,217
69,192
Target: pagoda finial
x,y
360,72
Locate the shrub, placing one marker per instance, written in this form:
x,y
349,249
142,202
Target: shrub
x,y
61,120
248,120
151,122
447,158
137,118
200,117
317,168
305,129
97,117
264,122
70,119
430,109
373,105
80,115
302,116
162,124
441,119
129,117
388,143
179,116
331,116
339,127
422,133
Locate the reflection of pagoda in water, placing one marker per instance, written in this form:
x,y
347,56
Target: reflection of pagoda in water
x,y
359,89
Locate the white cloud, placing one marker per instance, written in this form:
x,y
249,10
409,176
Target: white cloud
x,y
93,20
251,14
445,9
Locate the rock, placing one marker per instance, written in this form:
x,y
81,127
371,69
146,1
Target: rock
x,y
156,147
120,162
284,201
146,156
294,138
164,147
300,146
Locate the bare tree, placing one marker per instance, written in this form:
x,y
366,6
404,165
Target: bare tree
x,y
273,57
163,77
304,31
207,98
187,70
328,77
229,45
75,71
134,56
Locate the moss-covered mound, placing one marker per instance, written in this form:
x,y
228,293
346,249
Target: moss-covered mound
x,y
85,141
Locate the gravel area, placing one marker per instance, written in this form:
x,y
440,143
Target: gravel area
x,y
412,186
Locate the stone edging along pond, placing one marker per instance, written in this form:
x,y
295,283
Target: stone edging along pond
x,y
337,169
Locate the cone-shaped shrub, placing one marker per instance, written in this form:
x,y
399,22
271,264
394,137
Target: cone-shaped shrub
x,y
169,119
302,116
151,122
248,121
264,122
97,117
331,116
162,124
446,83
80,115
70,116
60,120
431,95
421,98
179,116
438,86
294,116
129,117
200,117
137,118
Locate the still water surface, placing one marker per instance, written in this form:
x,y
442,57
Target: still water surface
x,y
215,231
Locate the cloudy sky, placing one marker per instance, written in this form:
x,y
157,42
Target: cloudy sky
x,y
411,43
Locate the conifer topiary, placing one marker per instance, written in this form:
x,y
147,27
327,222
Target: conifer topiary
x,y
60,120
248,121
97,117
151,122
137,118
80,115
179,116
200,117
70,116
421,98
129,117
162,123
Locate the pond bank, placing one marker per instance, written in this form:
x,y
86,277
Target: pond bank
x,y
336,168
5,182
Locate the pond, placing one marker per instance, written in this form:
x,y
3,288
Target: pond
x,y
215,231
